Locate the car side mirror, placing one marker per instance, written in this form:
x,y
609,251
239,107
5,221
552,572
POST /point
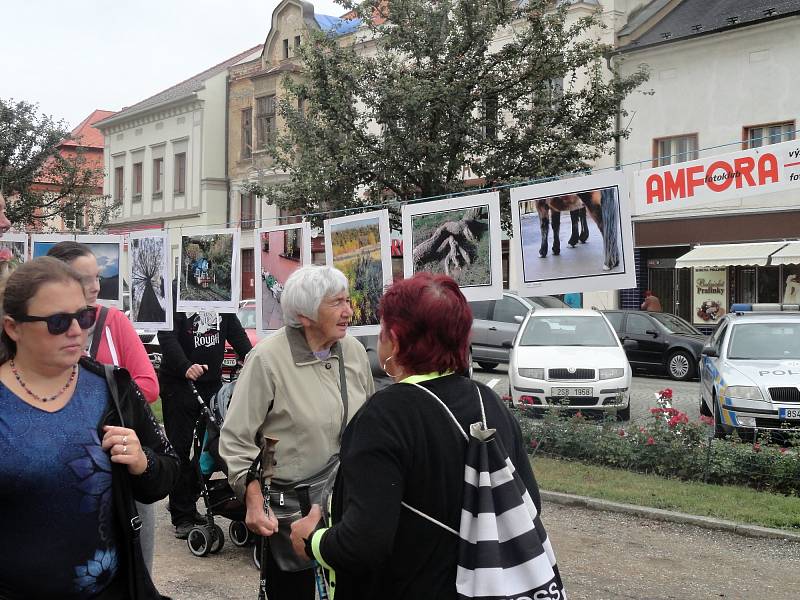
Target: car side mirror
x,y
652,332
519,318
507,344
709,351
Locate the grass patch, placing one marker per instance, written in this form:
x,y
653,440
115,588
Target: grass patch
x,y
157,410
732,503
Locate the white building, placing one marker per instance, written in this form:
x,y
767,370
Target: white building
x,y
165,157
722,79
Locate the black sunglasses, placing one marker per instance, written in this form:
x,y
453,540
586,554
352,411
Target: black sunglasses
x,y
60,322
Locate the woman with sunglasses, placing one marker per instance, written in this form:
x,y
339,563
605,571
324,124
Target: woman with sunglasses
x,y
114,341
79,444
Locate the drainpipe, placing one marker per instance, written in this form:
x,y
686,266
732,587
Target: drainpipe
x,y
227,169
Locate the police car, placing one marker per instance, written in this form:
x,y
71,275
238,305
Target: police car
x,y
750,372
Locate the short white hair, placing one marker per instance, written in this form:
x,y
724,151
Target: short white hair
x,y
305,289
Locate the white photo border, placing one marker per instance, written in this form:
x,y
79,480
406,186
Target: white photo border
x,y
305,259
386,254
119,241
165,267
47,238
494,290
220,306
584,283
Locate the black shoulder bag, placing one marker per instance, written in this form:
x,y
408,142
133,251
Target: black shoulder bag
x,y
285,503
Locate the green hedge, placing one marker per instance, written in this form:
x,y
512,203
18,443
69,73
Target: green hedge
x,y
668,444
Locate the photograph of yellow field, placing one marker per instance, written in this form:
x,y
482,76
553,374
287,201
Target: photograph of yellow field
x,y
356,249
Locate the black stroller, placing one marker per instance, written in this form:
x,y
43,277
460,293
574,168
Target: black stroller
x,y
218,497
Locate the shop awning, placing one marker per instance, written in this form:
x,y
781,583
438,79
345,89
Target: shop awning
x,y
788,255
730,255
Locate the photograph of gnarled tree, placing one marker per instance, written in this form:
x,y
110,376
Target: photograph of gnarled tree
x,y
148,289
206,264
356,248
454,242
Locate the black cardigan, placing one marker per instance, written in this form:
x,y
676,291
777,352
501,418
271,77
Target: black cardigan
x,y
403,446
128,408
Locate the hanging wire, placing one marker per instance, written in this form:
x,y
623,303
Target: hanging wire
x,y
455,194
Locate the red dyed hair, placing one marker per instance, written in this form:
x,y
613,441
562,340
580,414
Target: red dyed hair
x,y
431,320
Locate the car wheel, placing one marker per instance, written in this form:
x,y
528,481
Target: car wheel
x,y
487,366
680,366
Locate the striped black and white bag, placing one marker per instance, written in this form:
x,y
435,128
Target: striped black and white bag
x,y
504,552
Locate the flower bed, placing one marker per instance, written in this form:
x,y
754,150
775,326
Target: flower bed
x,y
670,445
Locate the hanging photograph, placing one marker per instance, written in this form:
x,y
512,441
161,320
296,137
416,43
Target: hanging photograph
x,y
151,291
459,237
573,235
42,242
209,271
280,252
360,247
108,251
13,252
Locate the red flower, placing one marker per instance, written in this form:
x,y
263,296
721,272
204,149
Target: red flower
x,y
678,419
784,450
666,393
706,420
534,444
579,415
756,447
650,441
6,254
642,430
621,433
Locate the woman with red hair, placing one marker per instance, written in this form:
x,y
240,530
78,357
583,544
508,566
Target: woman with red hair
x,y
402,449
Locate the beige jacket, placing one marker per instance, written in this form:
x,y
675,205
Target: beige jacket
x,y
307,409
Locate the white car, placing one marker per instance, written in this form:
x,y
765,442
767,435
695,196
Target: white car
x,y
570,357
750,373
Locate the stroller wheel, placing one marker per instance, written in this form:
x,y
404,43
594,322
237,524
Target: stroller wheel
x,y
199,541
219,539
257,554
239,533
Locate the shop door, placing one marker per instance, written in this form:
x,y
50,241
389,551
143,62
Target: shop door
x,y
674,288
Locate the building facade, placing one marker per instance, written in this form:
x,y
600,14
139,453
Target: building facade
x,y
721,77
165,157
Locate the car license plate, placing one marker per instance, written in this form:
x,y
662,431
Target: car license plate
x,y
229,362
562,392
789,413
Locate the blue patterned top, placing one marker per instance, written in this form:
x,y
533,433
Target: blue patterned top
x,y
56,515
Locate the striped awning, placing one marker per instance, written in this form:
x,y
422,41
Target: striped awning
x,y
730,255
788,255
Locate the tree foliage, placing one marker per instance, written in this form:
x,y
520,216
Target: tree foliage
x,y
36,178
512,90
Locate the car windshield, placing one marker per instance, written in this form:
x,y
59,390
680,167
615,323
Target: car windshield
x,y
247,316
765,341
674,324
547,302
567,331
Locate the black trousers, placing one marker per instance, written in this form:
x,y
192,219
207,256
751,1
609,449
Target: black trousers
x,y
287,585
181,412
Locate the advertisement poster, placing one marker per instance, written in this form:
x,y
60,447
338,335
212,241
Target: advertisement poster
x,y
710,294
459,237
573,235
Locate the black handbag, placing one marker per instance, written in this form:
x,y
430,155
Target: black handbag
x,y
285,504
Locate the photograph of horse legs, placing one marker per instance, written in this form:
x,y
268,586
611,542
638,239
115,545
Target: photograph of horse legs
x,y
594,245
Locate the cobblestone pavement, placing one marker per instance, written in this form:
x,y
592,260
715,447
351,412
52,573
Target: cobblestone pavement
x,y
602,556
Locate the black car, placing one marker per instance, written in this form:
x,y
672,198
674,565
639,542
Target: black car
x,y
658,342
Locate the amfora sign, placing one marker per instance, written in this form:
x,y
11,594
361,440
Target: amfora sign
x,y
700,182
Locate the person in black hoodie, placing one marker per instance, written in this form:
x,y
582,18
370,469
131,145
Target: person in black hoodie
x,y
193,351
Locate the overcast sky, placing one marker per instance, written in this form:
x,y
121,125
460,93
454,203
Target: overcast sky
x,y
73,56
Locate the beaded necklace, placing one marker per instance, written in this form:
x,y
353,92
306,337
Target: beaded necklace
x,y
33,394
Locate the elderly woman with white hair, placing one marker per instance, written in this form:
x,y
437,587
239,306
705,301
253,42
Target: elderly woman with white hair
x,y
291,389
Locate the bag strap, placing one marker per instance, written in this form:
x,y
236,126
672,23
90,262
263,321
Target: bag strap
x,y
98,331
343,386
113,390
449,412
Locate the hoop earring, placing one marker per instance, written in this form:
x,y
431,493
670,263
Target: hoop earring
x,y
385,370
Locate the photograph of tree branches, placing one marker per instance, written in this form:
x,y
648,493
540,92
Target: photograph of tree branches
x,y
356,247
453,242
148,284
206,265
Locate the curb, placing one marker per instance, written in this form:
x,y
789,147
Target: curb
x,y
658,514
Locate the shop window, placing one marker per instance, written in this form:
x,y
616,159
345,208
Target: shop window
x,y
756,136
675,149
746,285
769,284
